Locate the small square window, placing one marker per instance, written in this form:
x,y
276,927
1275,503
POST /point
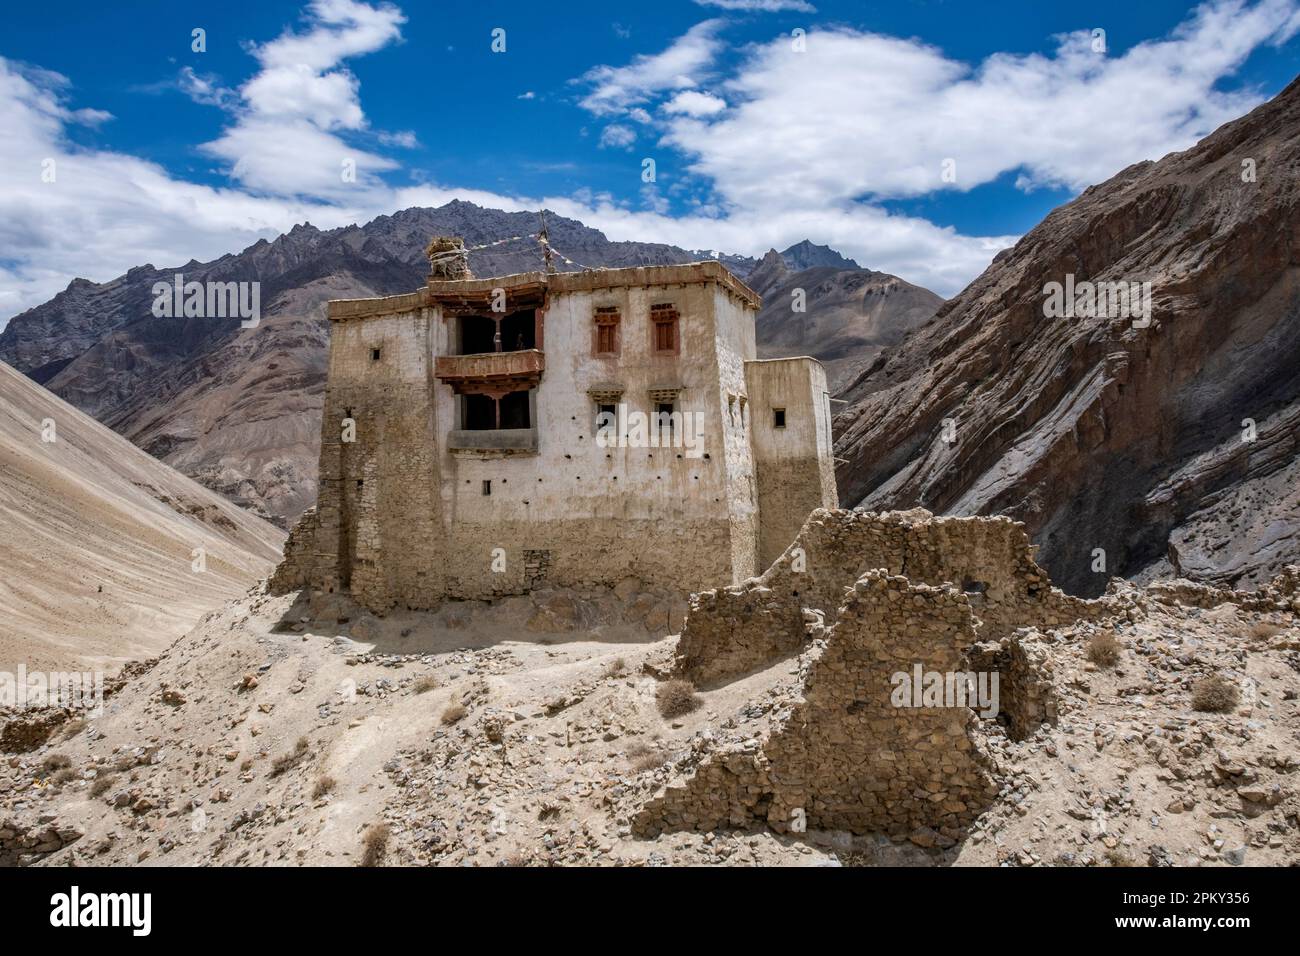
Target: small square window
x,y
374,355
778,418
487,487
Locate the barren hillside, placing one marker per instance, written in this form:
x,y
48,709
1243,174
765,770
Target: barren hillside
x,y
97,540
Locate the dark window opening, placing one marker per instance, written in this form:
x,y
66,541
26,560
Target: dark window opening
x,y
518,331
485,413
374,355
778,418
664,418
483,333
606,416
360,482
514,410
477,334
487,486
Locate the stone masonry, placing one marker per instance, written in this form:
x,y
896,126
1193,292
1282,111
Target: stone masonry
x,y
842,756
731,631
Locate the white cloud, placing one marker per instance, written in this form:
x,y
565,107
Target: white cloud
x,y
695,103
760,6
285,138
616,89
617,136
865,115
802,138
529,95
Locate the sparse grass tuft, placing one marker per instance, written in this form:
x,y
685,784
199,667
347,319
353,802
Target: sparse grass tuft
x,y
56,762
643,757
1104,650
324,785
374,844
1119,858
286,762
64,776
453,713
424,684
617,668
676,698
1215,695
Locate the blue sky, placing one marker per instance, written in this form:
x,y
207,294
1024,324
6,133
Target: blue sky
x,y
760,135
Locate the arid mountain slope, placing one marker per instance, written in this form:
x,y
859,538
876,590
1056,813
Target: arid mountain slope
x,y
849,316
237,409
98,540
1099,434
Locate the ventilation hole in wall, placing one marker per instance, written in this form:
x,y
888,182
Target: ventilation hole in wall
x,y
568,456
360,482
706,456
487,486
696,477
580,438
374,355
679,456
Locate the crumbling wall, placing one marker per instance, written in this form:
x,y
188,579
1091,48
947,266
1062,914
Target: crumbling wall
x,y
299,566
731,631
844,756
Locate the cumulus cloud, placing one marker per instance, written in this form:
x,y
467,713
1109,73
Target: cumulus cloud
x,y
866,115
616,89
285,140
695,103
784,145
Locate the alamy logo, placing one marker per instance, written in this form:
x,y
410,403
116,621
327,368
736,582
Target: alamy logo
x,y
208,300
75,909
76,690
1100,300
923,688
623,428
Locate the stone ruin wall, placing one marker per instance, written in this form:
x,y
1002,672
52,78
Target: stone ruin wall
x,y
843,754
732,631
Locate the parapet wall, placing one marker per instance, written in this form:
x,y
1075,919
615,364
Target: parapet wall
x,y
844,756
731,631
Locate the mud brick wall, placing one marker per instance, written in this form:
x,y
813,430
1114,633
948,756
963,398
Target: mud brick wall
x,y
733,630
844,754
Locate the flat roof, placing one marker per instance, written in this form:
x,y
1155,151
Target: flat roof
x,y
588,280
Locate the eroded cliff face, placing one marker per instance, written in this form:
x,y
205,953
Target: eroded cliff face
x,y
1100,434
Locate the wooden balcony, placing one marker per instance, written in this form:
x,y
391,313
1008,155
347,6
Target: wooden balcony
x,y
492,373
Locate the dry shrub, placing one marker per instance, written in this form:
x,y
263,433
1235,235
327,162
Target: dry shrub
x,y
425,684
453,713
72,728
64,776
676,698
643,757
101,784
1215,695
1103,649
1119,858
616,668
286,762
324,785
374,844
56,762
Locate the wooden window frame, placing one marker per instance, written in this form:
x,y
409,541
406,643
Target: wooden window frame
x,y
606,320
664,314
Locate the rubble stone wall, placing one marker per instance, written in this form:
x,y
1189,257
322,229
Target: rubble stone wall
x,y
845,757
731,631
